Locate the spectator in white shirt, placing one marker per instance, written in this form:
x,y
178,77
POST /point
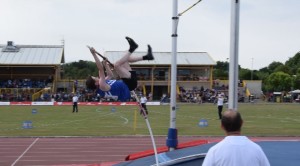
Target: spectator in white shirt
x,y
75,103
220,104
143,103
235,149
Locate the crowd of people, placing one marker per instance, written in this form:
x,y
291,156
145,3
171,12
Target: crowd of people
x,y
199,95
22,89
23,83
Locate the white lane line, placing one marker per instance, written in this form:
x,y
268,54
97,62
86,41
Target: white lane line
x,y
126,120
25,152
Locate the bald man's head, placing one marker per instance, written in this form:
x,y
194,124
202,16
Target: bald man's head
x,y
232,121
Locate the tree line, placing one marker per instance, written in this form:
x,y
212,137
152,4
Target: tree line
x,y
276,76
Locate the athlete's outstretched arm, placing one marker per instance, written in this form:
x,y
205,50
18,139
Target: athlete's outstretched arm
x,y
97,60
109,73
102,83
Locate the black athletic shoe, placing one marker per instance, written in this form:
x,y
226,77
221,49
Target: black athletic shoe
x,y
132,44
149,55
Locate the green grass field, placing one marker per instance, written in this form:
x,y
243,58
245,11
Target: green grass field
x,y
267,119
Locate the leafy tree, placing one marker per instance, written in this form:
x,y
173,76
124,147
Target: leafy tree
x,y
279,81
79,70
221,70
283,68
296,80
262,75
264,70
293,63
246,74
273,66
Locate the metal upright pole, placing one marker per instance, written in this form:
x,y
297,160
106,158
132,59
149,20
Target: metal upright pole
x,y
234,46
172,140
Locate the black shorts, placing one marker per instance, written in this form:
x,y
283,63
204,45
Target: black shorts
x,y
132,81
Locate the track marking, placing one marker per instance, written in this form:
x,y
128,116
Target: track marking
x,y
126,120
25,152
116,115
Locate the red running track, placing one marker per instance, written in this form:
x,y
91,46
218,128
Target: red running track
x,y
84,150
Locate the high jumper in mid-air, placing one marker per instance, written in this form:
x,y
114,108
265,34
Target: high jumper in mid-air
x,y
113,88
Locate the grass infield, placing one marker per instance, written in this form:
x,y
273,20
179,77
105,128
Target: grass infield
x,y
263,119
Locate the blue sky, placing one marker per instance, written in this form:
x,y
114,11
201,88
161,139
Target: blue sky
x,y
269,29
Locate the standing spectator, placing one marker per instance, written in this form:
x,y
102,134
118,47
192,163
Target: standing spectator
x,y
53,97
199,98
220,104
143,103
150,96
164,98
235,149
75,103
